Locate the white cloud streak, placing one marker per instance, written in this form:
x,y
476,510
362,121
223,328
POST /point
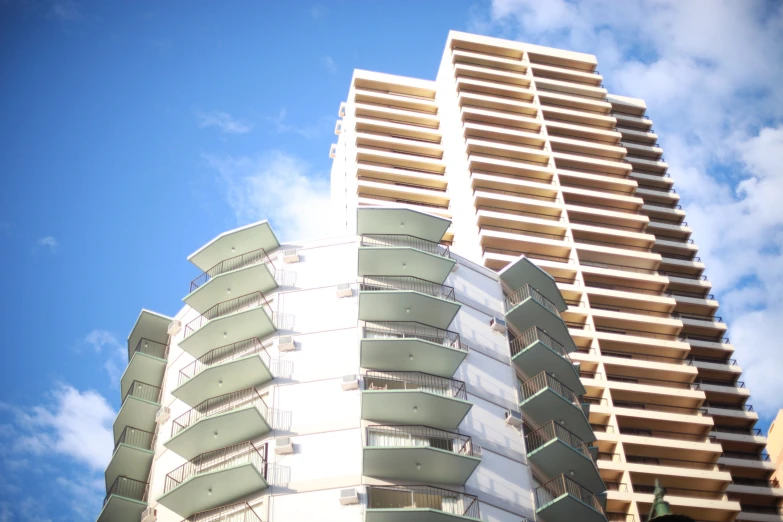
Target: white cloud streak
x,y
329,64
224,122
278,187
711,73
49,242
104,342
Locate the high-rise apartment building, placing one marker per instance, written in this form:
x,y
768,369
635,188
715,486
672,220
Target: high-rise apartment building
x,y
775,447
513,327
523,148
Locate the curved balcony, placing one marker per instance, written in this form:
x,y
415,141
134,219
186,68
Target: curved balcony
x,y
534,352
395,220
240,512
132,456
563,499
141,403
248,238
419,454
401,298
125,501
215,479
411,346
546,399
556,451
524,272
229,322
527,307
419,504
243,274
147,364
224,370
219,421
401,255
414,398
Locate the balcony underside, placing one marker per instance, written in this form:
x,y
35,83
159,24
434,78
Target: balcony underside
x,y
404,261
538,357
220,379
406,305
566,507
413,407
412,355
412,515
524,272
142,368
228,329
401,221
556,458
121,509
255,278
546,406
136,412
129,461
149,325
419,464
218,431
228,244
213,489
530,313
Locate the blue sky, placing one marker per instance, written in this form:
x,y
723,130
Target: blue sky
x,y
132,136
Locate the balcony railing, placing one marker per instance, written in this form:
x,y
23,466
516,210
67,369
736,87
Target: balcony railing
x,y
536,215
729,406
376,380
153,348
622,268
225,354
128,488
761,457
632,310
653,382
542,381
759,483
527,195
713,360
680,492
751,432
233,263
637,333
224,458
423,497
662,434
241,512
517,253
143,391
726,384
525,232
702,317
220,404
563,485
534,334
419,436
412,330
647,357
551,431
136,438
696,295
386,283
528,292
238,304
404,240
650,406
674,463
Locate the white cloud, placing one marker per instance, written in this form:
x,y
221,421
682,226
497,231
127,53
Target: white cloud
x,y
711,73
85,494
103,341
329,64
278,187
224,122
76,424
50,242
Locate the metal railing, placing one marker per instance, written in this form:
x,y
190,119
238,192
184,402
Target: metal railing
x,y
697,295
528,292
419,436
646,357
612,244
743,455
727,384
543,380
702,317
233,263
534,334
728,406
601,224
637,333
411,330
551,431
153,348
377,380
660,407
404,240
653,382
224,458
680,492
222,403
385,283
683,275
143,391
662,434
751,432
241,512
231,306
674,463
562,485
759,483
632,310
229,352
422,497
127,488
625,288
135,437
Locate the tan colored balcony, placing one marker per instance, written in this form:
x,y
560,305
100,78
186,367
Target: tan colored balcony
x,y
567,74
494,103
403,190
595,148
377,139
635,122
390,156
566,87
376,201
398,129
402,174
572,101
558,112
507,151
515,120
638,136
465,56
393,113
566,128
504,134
480,86
397,100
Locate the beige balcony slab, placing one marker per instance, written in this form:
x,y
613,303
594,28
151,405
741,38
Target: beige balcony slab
x,y
633,122
560,73
394,174
403,102
507,119
371,110
565,87
402,191
469,99
493,88
386,125
491,74
375,139
401,158
463,56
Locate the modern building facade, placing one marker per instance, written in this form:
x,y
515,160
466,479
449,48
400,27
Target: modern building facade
x,y
523,148
775,446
